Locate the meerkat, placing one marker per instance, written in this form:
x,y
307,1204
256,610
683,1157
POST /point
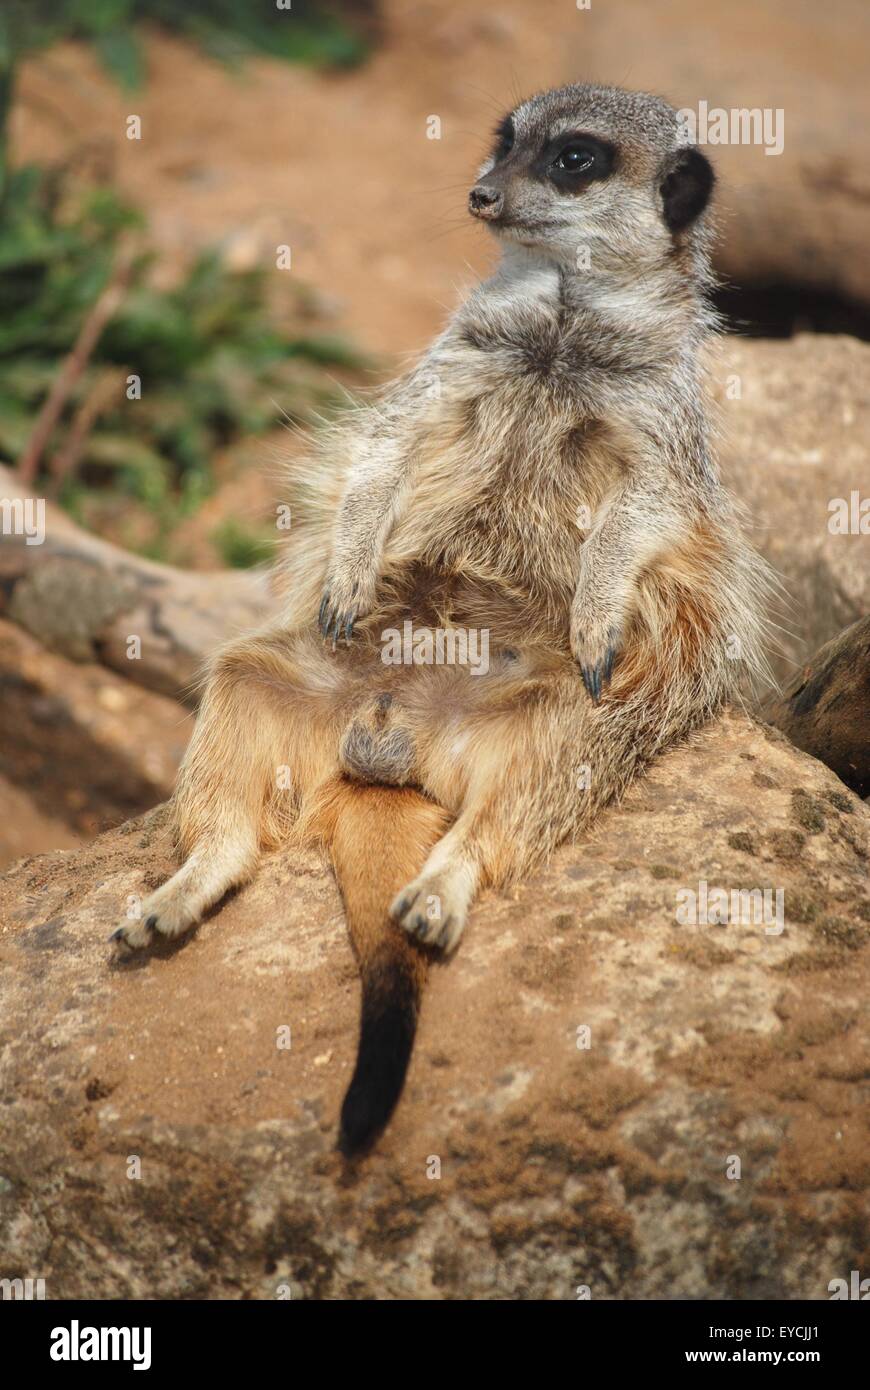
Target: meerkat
x,y
544,474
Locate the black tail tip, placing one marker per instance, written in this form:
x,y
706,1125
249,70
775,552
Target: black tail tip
x,y
387,1028
360,1125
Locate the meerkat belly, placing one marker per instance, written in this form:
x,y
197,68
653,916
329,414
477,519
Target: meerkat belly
x,y
501,499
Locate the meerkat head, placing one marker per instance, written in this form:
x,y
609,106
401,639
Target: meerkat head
x,y
595,177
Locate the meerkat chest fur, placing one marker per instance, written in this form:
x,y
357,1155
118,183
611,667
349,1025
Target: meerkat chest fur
x,y
514,455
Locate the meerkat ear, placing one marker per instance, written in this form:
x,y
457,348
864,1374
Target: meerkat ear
x,y
686,185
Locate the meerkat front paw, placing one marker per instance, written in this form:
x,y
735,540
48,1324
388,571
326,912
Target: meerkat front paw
x,y
434,907
166,912
346,597
595,649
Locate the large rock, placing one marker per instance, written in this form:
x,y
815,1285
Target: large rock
x,y
795,438
560,1166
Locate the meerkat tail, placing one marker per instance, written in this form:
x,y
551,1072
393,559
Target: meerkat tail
x,y
378,838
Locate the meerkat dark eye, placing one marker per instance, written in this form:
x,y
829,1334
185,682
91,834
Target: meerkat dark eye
x,y
575,160
504,139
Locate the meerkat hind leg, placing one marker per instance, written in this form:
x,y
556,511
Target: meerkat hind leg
x,y
519,801
434,906
263,710
210,872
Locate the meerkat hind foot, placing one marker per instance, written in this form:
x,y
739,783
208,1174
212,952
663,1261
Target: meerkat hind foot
x,y
168,912
434,906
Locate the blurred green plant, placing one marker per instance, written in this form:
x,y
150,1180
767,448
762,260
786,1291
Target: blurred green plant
x,y
212,360
240,546
306,31
211,355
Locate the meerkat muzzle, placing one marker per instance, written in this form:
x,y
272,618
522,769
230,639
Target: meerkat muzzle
x,y
485,202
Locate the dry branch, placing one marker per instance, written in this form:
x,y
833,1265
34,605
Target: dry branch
x,y
75,364
87,599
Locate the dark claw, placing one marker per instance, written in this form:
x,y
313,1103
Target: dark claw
x,y
118,933
402,911
348,627
322,614
420,926
443,934
596,677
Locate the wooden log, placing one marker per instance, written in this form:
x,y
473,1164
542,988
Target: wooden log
x,y
92,601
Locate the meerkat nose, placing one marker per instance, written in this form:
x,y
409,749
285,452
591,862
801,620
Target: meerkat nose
x,y
485,201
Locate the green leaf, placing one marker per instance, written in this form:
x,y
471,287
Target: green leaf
x,y
122,57
242,546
